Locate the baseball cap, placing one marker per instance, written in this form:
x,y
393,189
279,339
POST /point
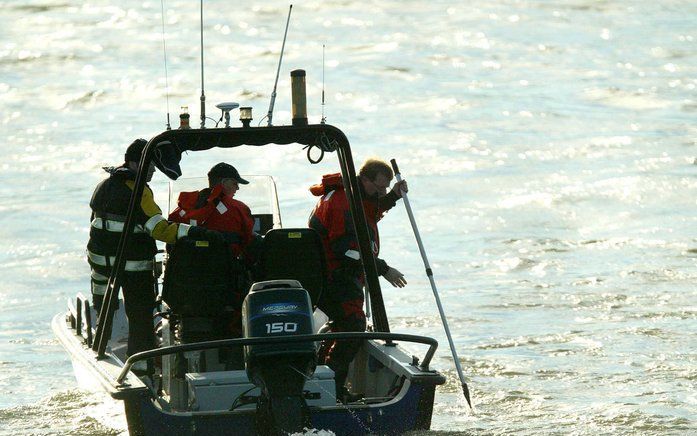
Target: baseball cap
x,y
225,171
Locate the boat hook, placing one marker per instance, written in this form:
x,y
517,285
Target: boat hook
x,y
429,273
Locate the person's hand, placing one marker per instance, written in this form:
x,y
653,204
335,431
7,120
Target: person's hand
x,y
400,187
395,277
200,233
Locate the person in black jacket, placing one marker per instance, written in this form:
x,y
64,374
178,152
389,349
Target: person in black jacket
x,y
109,206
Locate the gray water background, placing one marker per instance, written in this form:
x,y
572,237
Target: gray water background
x,y
549,148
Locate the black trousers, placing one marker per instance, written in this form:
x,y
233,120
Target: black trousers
x,y
139,298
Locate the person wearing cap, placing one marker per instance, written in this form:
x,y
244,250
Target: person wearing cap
x,y
331,218
109,205
214,208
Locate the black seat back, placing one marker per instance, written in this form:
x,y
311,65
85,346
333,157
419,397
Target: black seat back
x,y
201,279
295,254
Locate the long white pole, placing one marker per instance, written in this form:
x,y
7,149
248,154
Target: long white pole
x,y
429,273
203,94
269,115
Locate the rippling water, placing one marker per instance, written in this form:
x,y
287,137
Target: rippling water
x,y
549,148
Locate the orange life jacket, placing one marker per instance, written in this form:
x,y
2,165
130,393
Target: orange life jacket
x,y
218,212
331,218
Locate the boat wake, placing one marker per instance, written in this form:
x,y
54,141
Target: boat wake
x,y
70,411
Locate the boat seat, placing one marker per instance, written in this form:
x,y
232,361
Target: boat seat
x,y
202,279
296,254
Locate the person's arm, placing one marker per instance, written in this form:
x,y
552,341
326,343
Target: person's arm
x,y
382,266
251,243
156,225
342,236
390,200
387,202
247,226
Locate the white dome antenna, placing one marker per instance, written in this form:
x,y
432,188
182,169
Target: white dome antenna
x,y
226,107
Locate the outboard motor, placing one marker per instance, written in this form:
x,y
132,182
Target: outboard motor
x,y
279,308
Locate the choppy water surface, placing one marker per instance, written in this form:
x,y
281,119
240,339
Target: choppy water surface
x,y
549,148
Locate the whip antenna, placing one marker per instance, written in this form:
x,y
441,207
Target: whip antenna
x,y
323,117
203,95
278,70
164,49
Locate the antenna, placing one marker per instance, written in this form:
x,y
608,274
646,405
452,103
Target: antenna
x,y
203,95
226,107
164,49
278,70
324,119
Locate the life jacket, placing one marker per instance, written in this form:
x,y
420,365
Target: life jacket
x,y
329,183
197,207
212,209
331,218
109,205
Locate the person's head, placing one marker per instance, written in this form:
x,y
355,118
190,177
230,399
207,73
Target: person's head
x,y
226,175
132,157
376,175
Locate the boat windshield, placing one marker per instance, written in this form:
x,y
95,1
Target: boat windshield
x,y
260,195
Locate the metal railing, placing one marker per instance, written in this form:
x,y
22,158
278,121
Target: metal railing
x,y
83,314
199,346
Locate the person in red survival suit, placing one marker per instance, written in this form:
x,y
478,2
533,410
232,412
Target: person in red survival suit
x,y
214,208
331,218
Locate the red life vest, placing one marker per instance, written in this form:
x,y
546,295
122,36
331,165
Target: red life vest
x,y
216,212
331,218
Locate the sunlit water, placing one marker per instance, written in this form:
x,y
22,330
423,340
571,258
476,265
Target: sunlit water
x,y
549,148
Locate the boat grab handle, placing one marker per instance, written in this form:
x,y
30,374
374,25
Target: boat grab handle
x,y
198,346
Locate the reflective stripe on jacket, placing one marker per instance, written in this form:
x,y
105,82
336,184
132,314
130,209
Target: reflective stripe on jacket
x,y
131,265
109,206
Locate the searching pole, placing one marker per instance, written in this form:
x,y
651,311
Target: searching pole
x,y
429,273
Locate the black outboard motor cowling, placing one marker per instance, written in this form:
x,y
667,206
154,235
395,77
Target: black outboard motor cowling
x,y
271,309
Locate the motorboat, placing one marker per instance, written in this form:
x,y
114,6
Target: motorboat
x,y
280,385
